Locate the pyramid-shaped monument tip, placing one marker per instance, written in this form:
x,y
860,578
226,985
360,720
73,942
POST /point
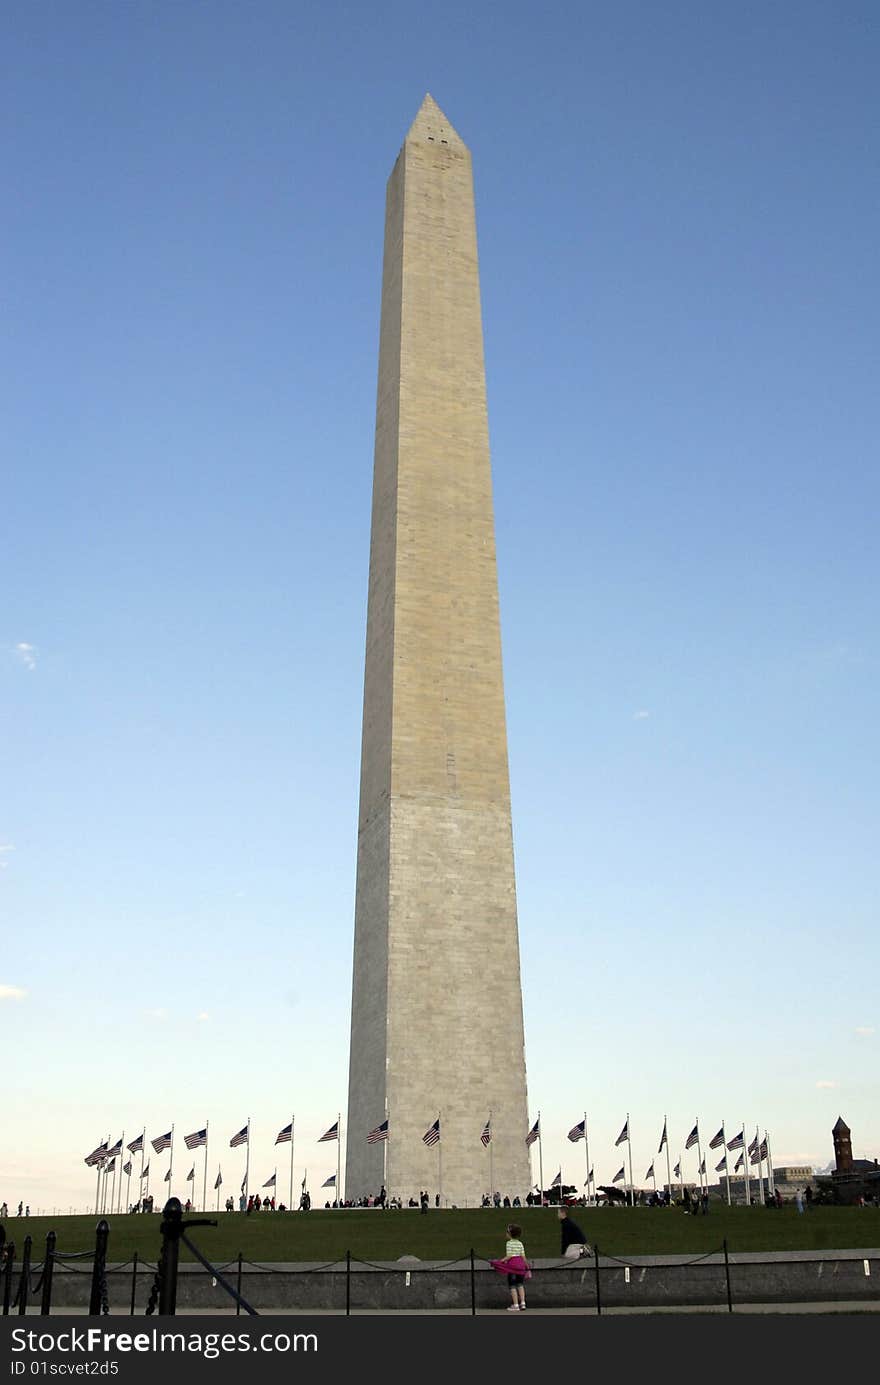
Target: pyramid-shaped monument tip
x,y
432,126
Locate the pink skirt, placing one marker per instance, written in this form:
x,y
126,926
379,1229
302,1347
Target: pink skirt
x,y
512,1264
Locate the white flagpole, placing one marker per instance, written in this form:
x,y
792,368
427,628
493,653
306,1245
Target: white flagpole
x,y
218,1194
339,1158
171,1164
681,1177
205,1177
587,1154
247,1161
290,1202
748,1190
98,1190
632,1191
700,1158
275,1182
141,1181
385,1155
668,1165
770,1176
726,1165
540,1160
440,1156
121,1157
491,1161
760,1167
128,1185
113,1188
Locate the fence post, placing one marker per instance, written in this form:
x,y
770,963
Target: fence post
x,y
172,1220
598,1288
473,1287
9,1250
134,1275
348,1283
727,1277
238,1287
24,1283
98,1296
48,1271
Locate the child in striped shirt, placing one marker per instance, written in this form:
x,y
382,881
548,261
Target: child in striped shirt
x,y
515,1255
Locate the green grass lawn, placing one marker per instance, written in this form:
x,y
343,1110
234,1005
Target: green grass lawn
x,y
447,1235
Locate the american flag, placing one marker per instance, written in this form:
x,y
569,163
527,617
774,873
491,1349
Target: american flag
x,y
285,1136
329,1182
619,1176
703,1165
168,1176
557,1182
737,1141
717,1140
111,1167
97,1156
738,1165
692,1137
662,1139
624,1134
578,1132
270,1182
677,1170
240,1139
332,1134
486,1137
244,1182
720,1167
126,1169
199,1137
161,1142
218,1180
764,1154
650,1173
432,1135
752,1147
117,1149
534,1133
136,1146
191,1176
146,1172
380,1133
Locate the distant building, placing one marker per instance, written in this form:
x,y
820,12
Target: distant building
x,y
851,1180
793,1173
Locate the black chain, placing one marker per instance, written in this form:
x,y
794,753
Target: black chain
x,y
158,1280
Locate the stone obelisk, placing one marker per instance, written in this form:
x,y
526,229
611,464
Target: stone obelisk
x,y
437,1028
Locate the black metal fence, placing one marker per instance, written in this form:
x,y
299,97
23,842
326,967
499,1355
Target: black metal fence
x,y
595,1284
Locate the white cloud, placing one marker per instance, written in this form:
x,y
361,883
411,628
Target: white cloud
x,y
4,848
828,1085
12,993
864,1031
27,653
641,716
156,1014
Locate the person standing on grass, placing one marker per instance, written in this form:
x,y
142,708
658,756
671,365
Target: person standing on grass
x,y
799,1200
516,1267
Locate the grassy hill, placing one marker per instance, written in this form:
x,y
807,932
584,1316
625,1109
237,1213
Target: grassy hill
x,y
323,1235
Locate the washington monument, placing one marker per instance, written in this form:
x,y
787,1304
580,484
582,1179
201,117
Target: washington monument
x,y
436,1028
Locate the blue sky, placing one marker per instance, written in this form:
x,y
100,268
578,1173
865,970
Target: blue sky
x,y
678,214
